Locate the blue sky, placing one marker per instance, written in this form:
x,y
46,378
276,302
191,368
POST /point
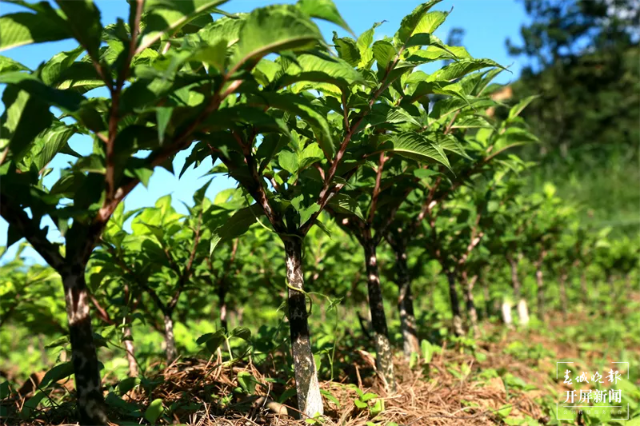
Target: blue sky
x,y
487,24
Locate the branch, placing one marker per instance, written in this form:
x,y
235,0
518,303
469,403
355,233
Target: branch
x,y
186,273
154,296
114,117
473,244
3,155
156,158
382,231
29,229
327,192
376,189
256,190
426,206
447,130
135,29
102,313
141,283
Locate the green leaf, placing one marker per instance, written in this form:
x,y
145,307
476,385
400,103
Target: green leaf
x,y
419,39
438,53
243,115
361,405
29,407
377,407
504,410
330,397
289,161
214,55
416,146
424,173
9,65
323,70
241,332
155,410
440,88
383,53
5,390
471,122
18,29
411,21
163,17
62,341
363,43
323,9
121,405
127,384
247,382
368,396
311,154
66,100
451,144
212,340
461,68
517,108
287,394
347,49
54,67
57,373
447,106
237,225
163,115
80,76
308,212
430,22
427,351
25,116
83,20
382,114
343,203
143,174
224,29
274,29
51,142
304,109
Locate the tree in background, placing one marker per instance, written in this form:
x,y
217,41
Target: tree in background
x,y
581,57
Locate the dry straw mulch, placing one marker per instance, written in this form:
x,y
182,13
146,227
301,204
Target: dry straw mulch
x,y
434,397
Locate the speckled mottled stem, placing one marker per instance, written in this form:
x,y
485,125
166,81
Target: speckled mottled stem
x,y
405,303
540,286
455,305
222,300
471,306
507,319
583,288
486,296
90,400
384,354
515,280
169,338
128,346
523,312
308,390
563,294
